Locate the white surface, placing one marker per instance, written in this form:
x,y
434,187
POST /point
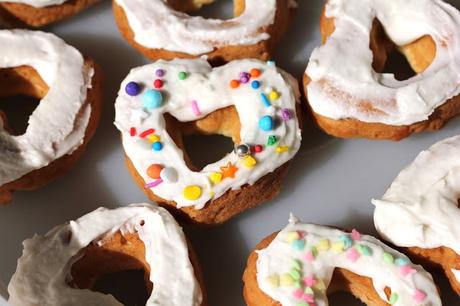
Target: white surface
x,y
331,181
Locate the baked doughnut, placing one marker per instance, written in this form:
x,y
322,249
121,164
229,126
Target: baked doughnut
x,y
420,209
162,30
38,13
68,264
347,92
303,263
250,101
43,66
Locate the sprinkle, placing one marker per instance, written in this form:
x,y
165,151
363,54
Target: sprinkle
x,y
309,257
296,264
309,281
271,63
352,255
407,270
393,298
146,133
169,175
402,261
273,96
132,131
355,235
291,236
282,149
298,245
182,75
286,280
154,183
157,146
419,296
265,100
192,192
308,298
244,77
274,281
195,108
160,73
314,251
323,245
347,241
320,285
255,84
152,99
132,89
364,250
234,84
242,150
215,177
271,140
255,73
295,274
297,294
258,148
266,123
338,246
388,258
249,162
153,138
154,171
309,291
228,171
286,114
158,83
303,304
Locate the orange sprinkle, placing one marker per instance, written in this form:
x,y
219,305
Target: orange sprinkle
x,y
154,171
234,84
255,73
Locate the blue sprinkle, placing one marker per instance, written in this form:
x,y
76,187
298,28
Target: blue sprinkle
x,y
266,123
152,99
265,100
298,245
132,89
402,262
157,146
255,84
347,241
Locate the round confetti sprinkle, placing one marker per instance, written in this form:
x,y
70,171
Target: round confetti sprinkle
x,y
158,83
255,73
234,83
154,171
157,146
244,80
245,75
182,75
169,175
255,84
160,73
273,96
258,148
192,192
132,89
242,150
152,99
266,123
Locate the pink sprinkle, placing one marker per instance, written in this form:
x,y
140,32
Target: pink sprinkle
x,y
308,298
195,108
419,296
154,183
309,256
355,235
406,270
309,281
301,234
352,255
298,294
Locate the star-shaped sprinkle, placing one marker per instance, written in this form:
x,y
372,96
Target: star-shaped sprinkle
x,y
228,171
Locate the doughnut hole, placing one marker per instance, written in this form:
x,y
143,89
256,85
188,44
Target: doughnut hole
x,y
21,90
208,139
117,267
209,8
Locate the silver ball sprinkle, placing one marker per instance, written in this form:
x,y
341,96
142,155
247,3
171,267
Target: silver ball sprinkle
x,y
242,150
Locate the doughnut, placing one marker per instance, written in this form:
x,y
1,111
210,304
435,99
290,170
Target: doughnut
x,y
67,265
250,101
161,29
348,93
68,85
419,212
38,13
303,263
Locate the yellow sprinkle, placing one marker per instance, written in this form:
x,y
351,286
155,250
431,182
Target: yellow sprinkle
x,y
274,280
323,245
192,192
211,193
249,162
215,177
338,246
273,96
287,280
291,236
153,138
282,149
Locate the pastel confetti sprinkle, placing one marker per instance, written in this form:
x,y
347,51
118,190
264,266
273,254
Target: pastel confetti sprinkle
x,y
419,296
298,245
286,280
402,261
355,235
352,255
274,281
309,281
265,100
215,177
295,274
347,241
309,257
249,162
195,108
282,149
154,183
291,236
309,291
298,294
308,298
407,270
192,192
388,258
323,245
338,246
364,250
296,264
393,298
146,133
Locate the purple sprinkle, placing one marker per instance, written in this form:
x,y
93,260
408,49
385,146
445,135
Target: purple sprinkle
x,y
244,80
132,89
286,114
245,75
160,72
154,183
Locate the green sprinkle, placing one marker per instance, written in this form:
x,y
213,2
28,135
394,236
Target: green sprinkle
x,y
182,75
295,274
296,264
314,251
364,250
388,258
309,291
302,304
393,298
271,140
298,285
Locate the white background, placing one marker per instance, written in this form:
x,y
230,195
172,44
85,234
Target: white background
x,y
331,180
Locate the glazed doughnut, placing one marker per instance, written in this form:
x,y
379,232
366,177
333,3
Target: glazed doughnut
x,y
38,13
68,85
59,267
161,30
250,101
420,209
303,263
346,91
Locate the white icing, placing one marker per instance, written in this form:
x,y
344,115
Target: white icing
x,y
37,3
157,26
44,267
210,88
277,260
58,124
343,81
420,207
